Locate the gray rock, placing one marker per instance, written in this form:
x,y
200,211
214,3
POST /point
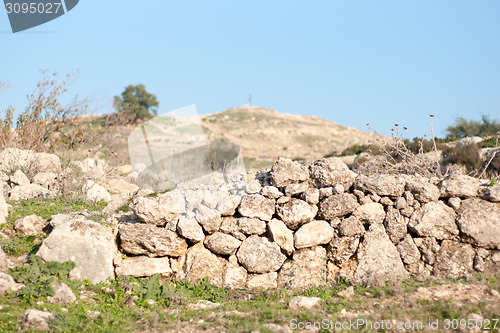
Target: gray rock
x,y
423,191
271,192
492,263
378,258
395,225
27,192
147,239
351,226
312,234
479,222
386,201
370,213
341,249
36,320
303,302
332,171
95,192
30,225
382,185
190,229
227,205
311,196
62,294
286,171
259,255
281,235
251,226
234,276
337,205
434,219
256,205
460,186
407,212
490,193
223,244
209,219
454,260
428,246
7,283
306,269
296,212
264,281
230,226
408,251
400,203
158,211
90,245
19,178
201,263
143,266
253,187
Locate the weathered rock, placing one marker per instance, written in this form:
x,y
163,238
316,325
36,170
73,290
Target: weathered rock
x,y
234,276
256,205
118,201
190,229
230,226
311,196
209,219
379,260
27,192
88,244
95,192
143,266
147,239
330,172
460,186
251,226
281,235
454,260
490,193
125,169
13,159
264,281
4,261
271,192
201,263
295,189
370,213
408,251
305,270
37,320
286,171
423,191
7,283
395,225
227,205
117,186
296,212
434,219
313,233
351,226
19,178
325,192
62,294
203,304
30,225
454,203
303,302
479,222
492,263
337,205
4,209
341,249
259,255
400,203
253,187
220,243
386,201
428,246
382,185
158,211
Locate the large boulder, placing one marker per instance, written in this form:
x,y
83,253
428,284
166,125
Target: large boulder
x,y
201,263
306,269
379,260
158,211
150,240
313,233
19,178
395,224
37,320
460,186
281,235
143,266
479,222
434,219
286,171
382,185
88,244
331,171
341,249
30,225
454,260
190,229
223,244
256,205
423,191
296,212
337,205
234,276
12,159
26,192
369,213
259,255
95,192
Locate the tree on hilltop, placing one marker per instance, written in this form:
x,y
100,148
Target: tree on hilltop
x,y
136,104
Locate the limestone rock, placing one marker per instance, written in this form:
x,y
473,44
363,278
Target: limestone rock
x,y
428,246
313,233
256,205
492,263
62,294
143,266
201,263
271,192
4,209
379,260
30,225
331,171
190,229
281,235
479,222
311,196
209,219
382,185
117,186
454,260
158,211
36,320
7,283
90,245
296,212
305,270
395,225
118,201
295,189
341,249
259,255
4,261
251,226
19,178
230,226
408,251
234,276
286,171
303,302
13,159
351,226
223,244
460,186
264,281
423,191
337,205
370,213
434,219
147,239
490,193
26,192
95,192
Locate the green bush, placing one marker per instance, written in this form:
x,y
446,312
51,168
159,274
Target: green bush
x,y
464,128
467,156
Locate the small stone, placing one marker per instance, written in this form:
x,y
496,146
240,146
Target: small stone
x,y
313,233
311,196
303,302
271,192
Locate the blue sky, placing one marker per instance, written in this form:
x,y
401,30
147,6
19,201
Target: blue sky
x,y
351,62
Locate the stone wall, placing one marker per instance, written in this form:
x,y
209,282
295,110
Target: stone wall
x,y
301,225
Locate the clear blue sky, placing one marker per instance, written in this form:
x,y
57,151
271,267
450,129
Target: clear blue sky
x,y
351,62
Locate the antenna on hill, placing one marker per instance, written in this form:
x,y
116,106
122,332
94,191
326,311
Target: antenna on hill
x,y
248,102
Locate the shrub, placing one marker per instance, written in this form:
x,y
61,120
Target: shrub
x,y
464,128
468,156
